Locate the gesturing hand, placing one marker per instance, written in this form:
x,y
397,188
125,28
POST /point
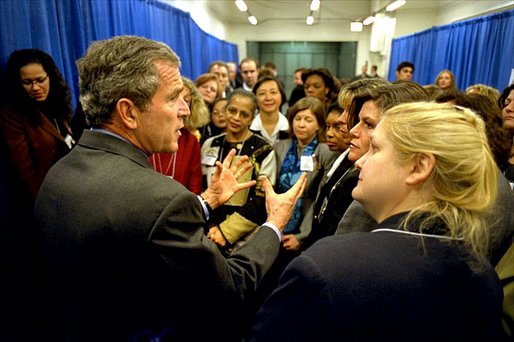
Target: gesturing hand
x,y
224,180
280,207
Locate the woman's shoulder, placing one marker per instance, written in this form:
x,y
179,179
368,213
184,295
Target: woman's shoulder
x,y
281,144
216,140
258,141
327,156
10,117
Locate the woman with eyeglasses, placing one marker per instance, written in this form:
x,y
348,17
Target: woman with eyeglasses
x,y
35,118
35,132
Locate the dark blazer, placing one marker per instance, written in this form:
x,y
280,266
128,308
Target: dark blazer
x,y
127,254
334,197
382,286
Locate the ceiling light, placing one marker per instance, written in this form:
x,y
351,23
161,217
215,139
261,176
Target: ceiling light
x,y
356,26
369,20
241,5
395,5
315,5
310,20
252,20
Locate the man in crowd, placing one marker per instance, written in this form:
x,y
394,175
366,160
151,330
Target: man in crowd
x,y
373,73
220,68
233,76
363,74
125,249
404,71
298,92
249,68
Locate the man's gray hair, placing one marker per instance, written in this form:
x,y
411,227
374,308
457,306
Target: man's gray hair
x,y
120,67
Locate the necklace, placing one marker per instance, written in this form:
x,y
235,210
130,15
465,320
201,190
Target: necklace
x,y
239,145
173,160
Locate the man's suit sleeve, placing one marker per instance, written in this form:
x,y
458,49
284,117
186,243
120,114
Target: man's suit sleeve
x,y
178,234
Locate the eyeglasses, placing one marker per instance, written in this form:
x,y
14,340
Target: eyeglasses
x,y
38,81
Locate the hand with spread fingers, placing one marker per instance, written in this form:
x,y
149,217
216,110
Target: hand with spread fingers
x,y
280,206
224,182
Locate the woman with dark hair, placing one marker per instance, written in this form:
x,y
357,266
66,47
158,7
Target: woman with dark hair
x,y
305,151
237,218
270,123
506,103
217,124
319,83
34,126
35,119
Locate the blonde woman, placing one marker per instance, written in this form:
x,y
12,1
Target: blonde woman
x,y
184,165
482,89
446,82
421,273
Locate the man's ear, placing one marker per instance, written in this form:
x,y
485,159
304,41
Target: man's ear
x,y
422,167
128,113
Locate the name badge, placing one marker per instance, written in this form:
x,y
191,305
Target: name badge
x,y
210,156
307,163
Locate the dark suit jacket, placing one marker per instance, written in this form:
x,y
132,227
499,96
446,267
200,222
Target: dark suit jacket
x,y
338,194
382,286
127,254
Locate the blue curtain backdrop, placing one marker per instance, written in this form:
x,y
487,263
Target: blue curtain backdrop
x,y
479,50
65,28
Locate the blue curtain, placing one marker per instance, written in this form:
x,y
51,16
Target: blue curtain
x,y
479,50
65,28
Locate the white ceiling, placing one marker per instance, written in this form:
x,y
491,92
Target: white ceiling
x,y
288,11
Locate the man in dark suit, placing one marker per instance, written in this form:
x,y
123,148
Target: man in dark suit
x,y
125,248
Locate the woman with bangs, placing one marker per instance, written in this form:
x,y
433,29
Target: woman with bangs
x,y
270,122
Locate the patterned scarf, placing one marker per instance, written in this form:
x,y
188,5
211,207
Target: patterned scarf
x,y
289,174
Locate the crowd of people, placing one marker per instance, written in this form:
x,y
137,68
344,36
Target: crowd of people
x,y
201,209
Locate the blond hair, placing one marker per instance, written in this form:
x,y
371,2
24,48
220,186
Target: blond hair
x,y
200,115
462,184
453,86
483,89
